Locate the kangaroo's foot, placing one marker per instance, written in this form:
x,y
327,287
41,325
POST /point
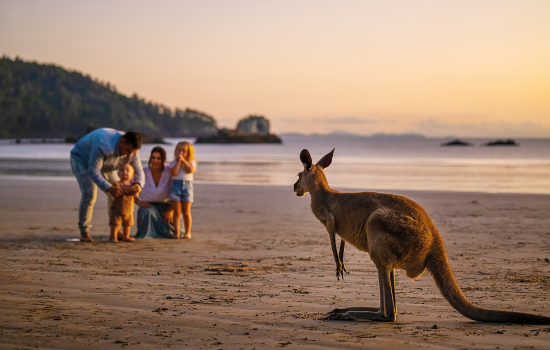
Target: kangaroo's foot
x,y
359,313
371,309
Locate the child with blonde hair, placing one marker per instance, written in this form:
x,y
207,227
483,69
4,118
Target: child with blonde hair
x,y
181,193
122,210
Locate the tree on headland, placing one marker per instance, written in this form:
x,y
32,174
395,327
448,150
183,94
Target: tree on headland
x,y
42,100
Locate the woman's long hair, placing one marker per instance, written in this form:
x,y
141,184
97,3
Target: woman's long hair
x,y
162,153
190,153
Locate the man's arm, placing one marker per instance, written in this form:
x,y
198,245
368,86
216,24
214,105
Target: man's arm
x,y
139,175
133,191
94,168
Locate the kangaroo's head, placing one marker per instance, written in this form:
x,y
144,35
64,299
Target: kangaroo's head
x,y
313,176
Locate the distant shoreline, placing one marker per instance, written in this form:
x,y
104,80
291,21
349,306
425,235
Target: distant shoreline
x,y
477,141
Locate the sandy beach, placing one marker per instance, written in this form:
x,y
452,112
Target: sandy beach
x,y
258,274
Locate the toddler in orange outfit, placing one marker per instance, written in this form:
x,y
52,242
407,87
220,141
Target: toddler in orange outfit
x,y
122,210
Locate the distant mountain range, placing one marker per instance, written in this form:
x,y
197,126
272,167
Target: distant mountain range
x,y
48,101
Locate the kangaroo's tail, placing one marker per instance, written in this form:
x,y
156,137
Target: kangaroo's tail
x,y
440,269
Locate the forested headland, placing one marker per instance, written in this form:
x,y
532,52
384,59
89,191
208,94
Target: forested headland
x,y
48,101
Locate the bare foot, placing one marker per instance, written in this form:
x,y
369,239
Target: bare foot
x,y
85,237
113,240
187,236
128,239
176,236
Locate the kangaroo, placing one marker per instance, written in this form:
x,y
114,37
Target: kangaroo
x,y
398,234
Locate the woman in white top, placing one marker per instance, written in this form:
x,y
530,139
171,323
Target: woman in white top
x,y
153,199
181,193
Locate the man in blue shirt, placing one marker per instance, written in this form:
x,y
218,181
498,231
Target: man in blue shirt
x,y
95,159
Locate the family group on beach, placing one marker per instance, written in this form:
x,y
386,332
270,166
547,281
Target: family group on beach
x,y
109,159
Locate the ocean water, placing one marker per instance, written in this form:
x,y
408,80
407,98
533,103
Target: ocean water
x,y
361,163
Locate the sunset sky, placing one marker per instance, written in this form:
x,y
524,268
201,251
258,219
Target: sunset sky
x,y
439,68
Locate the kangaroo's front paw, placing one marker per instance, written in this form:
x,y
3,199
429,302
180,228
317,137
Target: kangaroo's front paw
x,y
343,270
340,269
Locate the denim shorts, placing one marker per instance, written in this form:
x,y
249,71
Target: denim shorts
x,y
182,191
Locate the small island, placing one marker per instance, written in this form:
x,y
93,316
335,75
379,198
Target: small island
x,y
508,142
456,142
252,129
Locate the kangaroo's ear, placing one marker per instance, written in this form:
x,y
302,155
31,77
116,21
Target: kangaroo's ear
x,y
305,158
326,160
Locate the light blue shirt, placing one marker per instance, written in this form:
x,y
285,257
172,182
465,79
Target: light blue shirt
x,y
98,151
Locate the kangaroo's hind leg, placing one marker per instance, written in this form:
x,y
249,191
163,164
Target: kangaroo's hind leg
x,y
387,311
392,281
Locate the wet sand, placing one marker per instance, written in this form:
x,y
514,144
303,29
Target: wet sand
x,y
258,273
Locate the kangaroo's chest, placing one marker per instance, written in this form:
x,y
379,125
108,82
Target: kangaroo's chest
x,y
352,230
349,226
